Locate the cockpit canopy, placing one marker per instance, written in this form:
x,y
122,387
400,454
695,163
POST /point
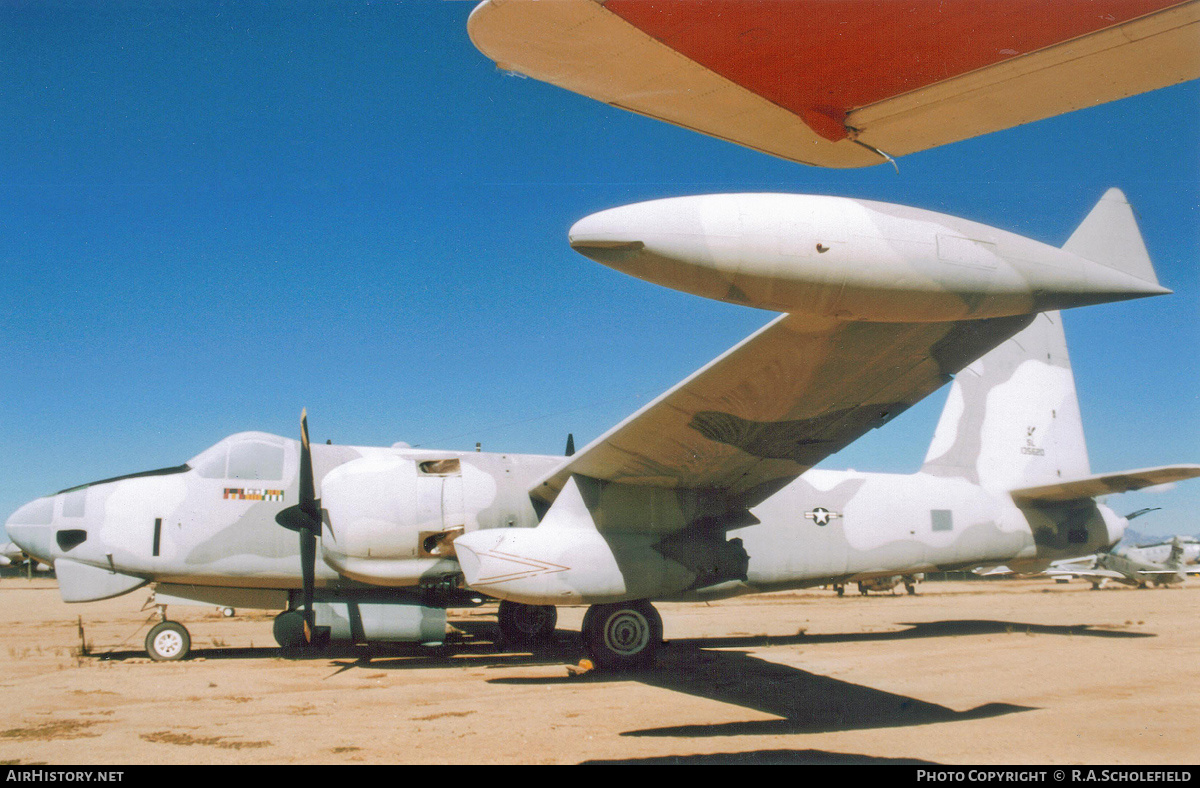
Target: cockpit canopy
x,y
246,456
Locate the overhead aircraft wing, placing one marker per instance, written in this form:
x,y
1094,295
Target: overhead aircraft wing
x,y
1105,484
806,80
782,400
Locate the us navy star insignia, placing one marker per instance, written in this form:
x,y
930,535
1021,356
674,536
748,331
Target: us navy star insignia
x,y
821,515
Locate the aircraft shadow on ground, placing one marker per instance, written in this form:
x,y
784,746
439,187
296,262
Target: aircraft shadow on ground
x,y
765,758
803,702
927,629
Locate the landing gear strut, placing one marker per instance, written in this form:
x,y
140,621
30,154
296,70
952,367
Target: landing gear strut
x,y
622,635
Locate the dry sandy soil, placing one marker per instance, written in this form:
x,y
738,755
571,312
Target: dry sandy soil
x,y
1015,671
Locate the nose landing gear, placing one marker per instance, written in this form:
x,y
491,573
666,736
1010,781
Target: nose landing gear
x,y
168,641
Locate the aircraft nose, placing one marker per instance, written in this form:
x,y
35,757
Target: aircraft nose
x,y
31,528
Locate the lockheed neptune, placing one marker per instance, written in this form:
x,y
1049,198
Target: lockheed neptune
x,y
709,490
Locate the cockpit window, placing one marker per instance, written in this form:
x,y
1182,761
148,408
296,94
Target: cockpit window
x,y
255,460
75,503
212,466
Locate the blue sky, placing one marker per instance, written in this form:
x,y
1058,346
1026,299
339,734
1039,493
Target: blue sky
x,y
215,214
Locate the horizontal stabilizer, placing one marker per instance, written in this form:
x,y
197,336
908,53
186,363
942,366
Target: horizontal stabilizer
x,y
1105,484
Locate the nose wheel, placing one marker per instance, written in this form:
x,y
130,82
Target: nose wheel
x,y
168,641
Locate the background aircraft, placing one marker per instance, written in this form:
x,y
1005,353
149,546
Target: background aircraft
x,y
845,83
1161,551
1131,566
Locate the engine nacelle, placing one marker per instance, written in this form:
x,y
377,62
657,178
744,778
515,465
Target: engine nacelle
x,y
567,560
564,566
391,517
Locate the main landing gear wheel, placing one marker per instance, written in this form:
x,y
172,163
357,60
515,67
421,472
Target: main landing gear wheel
x,y
526,624
622,635
289,632
168,641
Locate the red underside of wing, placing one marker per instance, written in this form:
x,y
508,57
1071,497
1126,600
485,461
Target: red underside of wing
x,y
823,58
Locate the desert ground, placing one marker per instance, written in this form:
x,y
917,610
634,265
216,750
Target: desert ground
x,y
965,672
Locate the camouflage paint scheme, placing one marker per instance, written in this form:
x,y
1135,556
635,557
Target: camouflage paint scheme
x,y
709,490
1011,421
210,535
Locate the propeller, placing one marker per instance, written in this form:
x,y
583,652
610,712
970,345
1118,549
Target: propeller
x,y
570,444
305,519
1140,512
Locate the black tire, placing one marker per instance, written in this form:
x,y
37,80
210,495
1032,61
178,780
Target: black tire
x,y
622,635
526,624
168,641
289,630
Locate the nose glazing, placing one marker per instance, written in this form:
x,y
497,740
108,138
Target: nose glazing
x,y
31,528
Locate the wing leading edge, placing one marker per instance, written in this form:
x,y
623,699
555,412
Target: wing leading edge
x,y
782,400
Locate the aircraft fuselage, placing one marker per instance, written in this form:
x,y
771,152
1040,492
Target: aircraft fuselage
x,y
392,514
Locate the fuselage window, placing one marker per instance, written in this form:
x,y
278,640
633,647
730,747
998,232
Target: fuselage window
x,y
942,519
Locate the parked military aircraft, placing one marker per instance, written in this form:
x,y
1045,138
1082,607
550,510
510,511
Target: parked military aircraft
x,y
1160,551
706,492
845,83
1132,566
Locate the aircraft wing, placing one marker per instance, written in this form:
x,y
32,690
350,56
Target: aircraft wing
x,y
1101,573
806,80
782,400
1105,484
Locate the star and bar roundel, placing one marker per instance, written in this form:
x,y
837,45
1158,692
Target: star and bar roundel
x,y
821,516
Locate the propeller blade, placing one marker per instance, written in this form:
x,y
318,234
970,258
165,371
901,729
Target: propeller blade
x,y
1140,512
570,443
308,562
310,509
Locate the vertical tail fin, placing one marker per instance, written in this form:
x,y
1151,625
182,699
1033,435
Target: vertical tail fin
x,y
1012,418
